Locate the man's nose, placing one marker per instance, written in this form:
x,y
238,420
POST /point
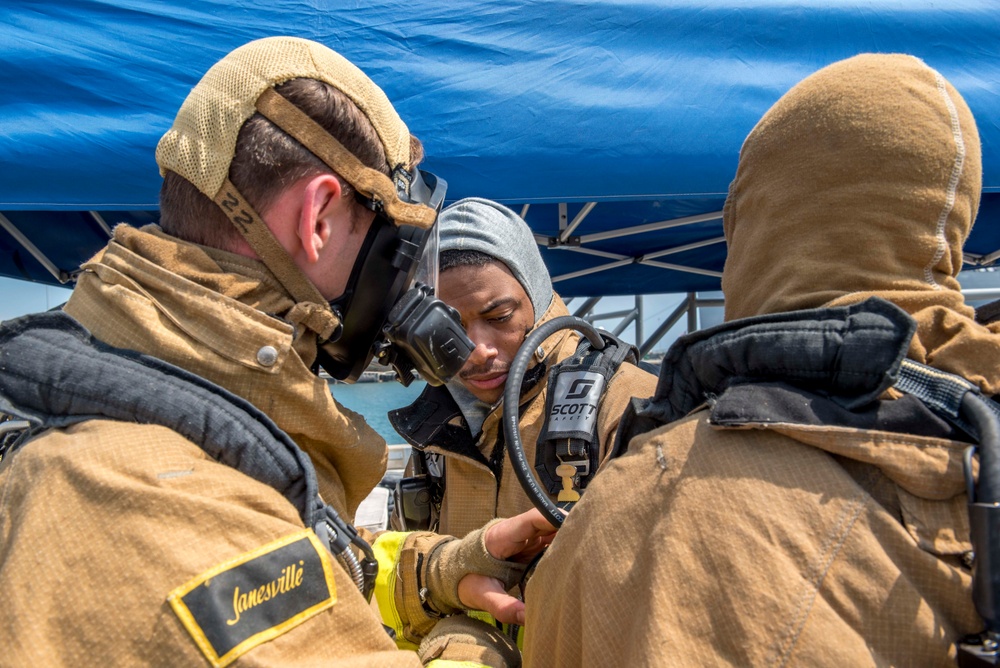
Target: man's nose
x,y
483,352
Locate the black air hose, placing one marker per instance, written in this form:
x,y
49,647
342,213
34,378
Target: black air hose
x,y
511,400
975,409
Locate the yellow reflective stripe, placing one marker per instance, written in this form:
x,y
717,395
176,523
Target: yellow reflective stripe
x,y
445,663
481,616
489,619
387,548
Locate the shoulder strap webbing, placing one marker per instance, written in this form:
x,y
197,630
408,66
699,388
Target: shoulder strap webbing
x,y
54,374
575,388
943,392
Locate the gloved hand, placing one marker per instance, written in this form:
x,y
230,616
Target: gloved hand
x,y
461,638
437,575
452,560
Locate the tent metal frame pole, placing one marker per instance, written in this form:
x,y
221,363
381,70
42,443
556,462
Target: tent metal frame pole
x,y
651,227
685,247
625,322
565,241
592,270
978,294
99,219
984,260
638,318
564,234
705,302
681,267
624,313
625,318
587,307
595,253
566,229
692,312
621,260
60,275
662,330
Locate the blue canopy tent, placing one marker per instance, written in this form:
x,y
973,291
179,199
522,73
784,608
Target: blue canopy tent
x,y
614,127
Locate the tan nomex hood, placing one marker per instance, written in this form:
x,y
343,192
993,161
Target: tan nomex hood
x,y
844,192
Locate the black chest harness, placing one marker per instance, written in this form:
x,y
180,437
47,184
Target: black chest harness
x,y
569,434
53,374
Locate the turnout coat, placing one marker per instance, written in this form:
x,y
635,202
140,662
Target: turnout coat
x,y
103,521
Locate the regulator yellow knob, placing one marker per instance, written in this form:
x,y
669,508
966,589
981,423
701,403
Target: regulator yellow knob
x,y
567,494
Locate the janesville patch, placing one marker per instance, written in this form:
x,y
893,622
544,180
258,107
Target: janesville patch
x,y
239,604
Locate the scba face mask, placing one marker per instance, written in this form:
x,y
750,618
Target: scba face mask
x,y
388,309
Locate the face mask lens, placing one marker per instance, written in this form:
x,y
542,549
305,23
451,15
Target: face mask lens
x,y
389,309
427,266
428,190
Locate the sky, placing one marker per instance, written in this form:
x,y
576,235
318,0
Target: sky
x,y
20,297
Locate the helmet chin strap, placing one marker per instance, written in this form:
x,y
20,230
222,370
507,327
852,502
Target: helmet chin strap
x,y
311,309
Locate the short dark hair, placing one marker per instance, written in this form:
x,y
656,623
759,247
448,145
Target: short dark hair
x,y
267,161
457,257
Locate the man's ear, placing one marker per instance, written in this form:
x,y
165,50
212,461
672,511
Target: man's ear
x,y
322,204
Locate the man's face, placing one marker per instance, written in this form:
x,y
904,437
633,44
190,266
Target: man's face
x,y
497,314
345,243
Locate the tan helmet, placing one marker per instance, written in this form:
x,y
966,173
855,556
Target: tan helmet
x,y
202,141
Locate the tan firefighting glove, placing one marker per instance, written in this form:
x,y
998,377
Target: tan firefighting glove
x,y
461,638
449,561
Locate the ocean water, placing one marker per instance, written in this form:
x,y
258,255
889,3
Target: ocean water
x,y
375,400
